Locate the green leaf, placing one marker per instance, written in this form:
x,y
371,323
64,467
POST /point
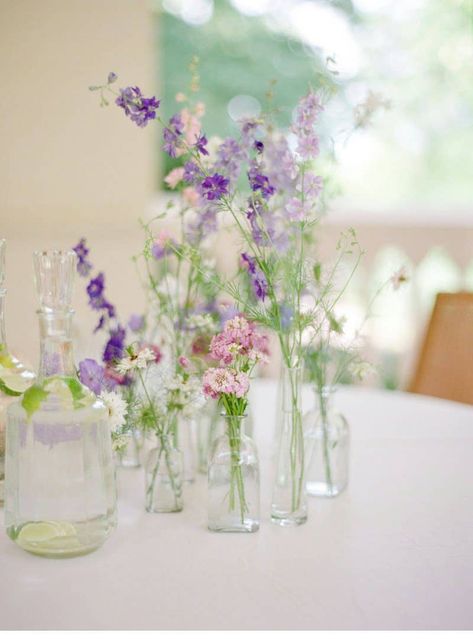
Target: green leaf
x,y
4,389
32,399
75,387
317,272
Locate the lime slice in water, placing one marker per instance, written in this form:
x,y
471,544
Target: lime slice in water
x,y
15,381
47,531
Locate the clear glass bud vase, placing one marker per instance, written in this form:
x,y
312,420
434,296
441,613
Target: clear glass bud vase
x,y
14,377
130,457
289,503
164,475
327,439
206,426
233,480
184,429
60,492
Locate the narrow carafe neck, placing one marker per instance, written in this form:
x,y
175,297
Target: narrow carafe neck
x,y
56,354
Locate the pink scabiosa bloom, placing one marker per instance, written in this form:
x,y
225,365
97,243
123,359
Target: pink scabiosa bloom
x,y
183,361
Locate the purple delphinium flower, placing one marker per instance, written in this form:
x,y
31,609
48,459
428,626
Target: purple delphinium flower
x,y
214,186
306,115
200,145
139,109
258,146
83,265
95,290
312,185
229,158
258,279
286,314
248,132
91,374
260,182
307,111
281,167
115,346
296,209
100,323
172,135
136,322
307,145
191,172
203,223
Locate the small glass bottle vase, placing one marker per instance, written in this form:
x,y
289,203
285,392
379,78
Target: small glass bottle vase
x,y
289,503
233,480
60,492
327,439
164,476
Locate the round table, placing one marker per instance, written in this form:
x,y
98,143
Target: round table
x,y
395,551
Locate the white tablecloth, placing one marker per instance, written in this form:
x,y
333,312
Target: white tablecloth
x,y
393,552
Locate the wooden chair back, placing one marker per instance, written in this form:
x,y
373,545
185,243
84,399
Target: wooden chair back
x,y
445,365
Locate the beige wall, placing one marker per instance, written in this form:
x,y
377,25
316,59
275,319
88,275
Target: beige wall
x,y
67,167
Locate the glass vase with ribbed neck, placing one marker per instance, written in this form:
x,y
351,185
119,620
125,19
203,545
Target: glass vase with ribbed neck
x,y
60,493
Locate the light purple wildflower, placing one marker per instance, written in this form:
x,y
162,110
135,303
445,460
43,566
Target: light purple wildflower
x,y
307,145
91,374
136,322
312,185
139,109
191,172
296,210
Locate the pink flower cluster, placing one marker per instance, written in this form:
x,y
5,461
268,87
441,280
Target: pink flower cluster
x,y
239,338
225,381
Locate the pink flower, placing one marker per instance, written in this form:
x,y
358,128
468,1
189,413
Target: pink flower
x,y
161,244
241,384
225,381
175,176
190,195
180,97
199,109
238,338
183,361
191,126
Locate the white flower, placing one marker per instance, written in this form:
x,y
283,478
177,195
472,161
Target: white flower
x,y
399,277
117,409
135,362
203,323
120,442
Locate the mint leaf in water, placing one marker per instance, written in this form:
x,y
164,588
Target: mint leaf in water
x,y
32,399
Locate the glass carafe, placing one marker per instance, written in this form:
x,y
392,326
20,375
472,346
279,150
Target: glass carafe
x,y
233,479
60,493
14,377
327,438
289,503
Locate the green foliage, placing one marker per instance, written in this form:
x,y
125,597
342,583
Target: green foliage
x,y
33,398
